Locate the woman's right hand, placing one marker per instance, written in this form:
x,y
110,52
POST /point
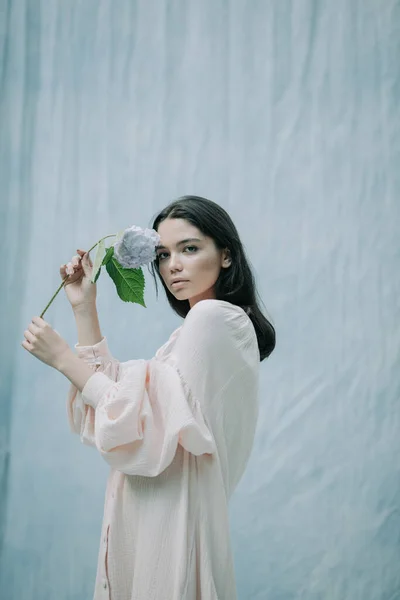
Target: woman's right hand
x,y
78,287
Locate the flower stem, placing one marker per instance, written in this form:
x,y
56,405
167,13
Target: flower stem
x,y
66,278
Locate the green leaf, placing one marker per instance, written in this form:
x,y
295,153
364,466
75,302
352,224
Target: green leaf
x,y
101,250
130,283
98,275
108,256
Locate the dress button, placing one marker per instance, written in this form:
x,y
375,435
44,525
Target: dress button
x,y
105,585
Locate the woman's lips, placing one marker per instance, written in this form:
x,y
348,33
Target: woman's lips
x,y
178,283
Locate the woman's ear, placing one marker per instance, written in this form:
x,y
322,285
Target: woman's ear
x,y
226,258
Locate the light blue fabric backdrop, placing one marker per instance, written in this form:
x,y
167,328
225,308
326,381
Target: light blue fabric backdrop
x,y
287,114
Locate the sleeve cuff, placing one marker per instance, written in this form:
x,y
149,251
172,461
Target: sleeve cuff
x,y
95,388
97,354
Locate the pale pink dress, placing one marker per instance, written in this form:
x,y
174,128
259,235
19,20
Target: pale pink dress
x,y
177,431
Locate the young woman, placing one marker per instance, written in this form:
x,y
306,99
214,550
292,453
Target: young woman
x,y
176,430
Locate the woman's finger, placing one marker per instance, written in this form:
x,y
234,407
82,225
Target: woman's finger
x,y
63,272
69,269
33,328
87,260
29,335
76,260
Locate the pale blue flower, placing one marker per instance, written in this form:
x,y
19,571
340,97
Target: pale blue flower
x,y
137,247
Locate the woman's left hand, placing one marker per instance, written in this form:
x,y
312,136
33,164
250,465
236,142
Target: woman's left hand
x,y
45,343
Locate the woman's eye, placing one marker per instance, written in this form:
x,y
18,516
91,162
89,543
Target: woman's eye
x,y
185,248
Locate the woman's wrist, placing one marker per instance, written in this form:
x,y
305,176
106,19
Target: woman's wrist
x,y
88,326
86,308
74,369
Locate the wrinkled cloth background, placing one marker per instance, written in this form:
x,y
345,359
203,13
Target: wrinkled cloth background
x,y
287,114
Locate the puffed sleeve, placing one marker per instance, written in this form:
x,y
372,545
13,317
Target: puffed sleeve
x,y
138,412
81,416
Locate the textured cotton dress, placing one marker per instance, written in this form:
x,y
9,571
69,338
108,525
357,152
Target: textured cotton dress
x,y
177,431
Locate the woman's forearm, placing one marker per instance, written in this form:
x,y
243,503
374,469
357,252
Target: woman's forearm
x,y
88,326
75,369
89,334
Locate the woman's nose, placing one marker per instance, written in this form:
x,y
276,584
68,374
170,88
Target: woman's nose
x,y
174,263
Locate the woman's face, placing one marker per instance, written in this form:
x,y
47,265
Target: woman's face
x,y
197,261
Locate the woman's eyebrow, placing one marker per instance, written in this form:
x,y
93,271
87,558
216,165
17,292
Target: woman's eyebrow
x,y
180,243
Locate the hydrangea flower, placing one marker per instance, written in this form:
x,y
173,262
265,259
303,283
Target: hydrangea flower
x,y
137,247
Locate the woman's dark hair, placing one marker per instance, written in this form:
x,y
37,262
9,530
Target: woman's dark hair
x,y
235,284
